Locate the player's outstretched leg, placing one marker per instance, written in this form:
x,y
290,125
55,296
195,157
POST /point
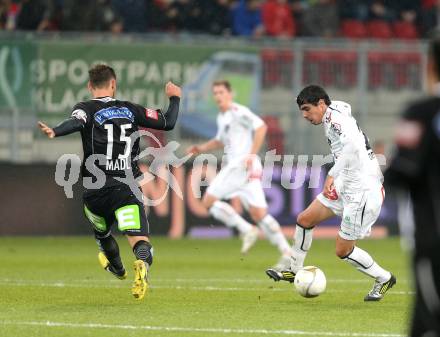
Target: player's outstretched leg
x,y
302,243
311,216
362,261
108,256
143,250
272,229
224,212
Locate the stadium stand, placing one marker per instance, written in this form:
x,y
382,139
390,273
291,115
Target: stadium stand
x,y
275,18
354,29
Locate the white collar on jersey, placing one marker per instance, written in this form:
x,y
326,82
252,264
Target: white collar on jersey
x,y
326,114
104,99
342,107
233,107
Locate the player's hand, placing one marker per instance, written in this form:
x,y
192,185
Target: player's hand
x,y
254,171
248,162
195,149
329,189
46,130
173,90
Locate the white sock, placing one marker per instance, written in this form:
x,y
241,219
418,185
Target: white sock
x,y
224,212
363,262
302,244
271,228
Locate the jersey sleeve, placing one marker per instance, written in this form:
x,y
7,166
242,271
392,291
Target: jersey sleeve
x,y
254,120
156,118
346,129
79,113
76,122
147,117
218,135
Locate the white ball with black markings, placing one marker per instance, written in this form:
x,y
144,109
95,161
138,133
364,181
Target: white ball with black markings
x,y
310,281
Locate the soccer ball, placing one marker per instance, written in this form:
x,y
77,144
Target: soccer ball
x,y
310,281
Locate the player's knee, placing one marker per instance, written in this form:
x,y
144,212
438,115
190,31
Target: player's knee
x,y
208,201
101,235
305,220
342,251
257,214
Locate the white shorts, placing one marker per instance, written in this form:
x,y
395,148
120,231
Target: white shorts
x,y
234,180
359,211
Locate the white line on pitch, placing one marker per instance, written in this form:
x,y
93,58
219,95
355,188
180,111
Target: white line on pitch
x,y
199,280
204,330
196,288
247,281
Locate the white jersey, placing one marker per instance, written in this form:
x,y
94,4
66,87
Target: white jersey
x,y
236,128
356,167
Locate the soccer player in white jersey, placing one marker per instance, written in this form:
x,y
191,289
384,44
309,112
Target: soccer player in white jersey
x,y
241,133
352,190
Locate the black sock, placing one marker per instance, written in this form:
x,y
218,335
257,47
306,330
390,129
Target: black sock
x,y
143,250
111,250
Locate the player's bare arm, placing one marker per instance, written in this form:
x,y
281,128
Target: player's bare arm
x,y
259,136
208,146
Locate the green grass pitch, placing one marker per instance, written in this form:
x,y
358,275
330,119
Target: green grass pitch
x,y
55,287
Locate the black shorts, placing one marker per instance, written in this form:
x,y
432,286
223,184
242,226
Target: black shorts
x,y
115,203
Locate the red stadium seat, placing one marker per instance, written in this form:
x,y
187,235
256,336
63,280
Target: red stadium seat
x,y
286,59
394,70
379,29
275,134
405,30
354,29
270,67
277,67
330,67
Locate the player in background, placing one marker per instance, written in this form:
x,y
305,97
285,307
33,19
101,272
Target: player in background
x,y
241,133
415,170
352,190
106,125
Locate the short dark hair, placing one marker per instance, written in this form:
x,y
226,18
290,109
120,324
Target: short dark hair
x,y
224,83
311,95
434,54
100,75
